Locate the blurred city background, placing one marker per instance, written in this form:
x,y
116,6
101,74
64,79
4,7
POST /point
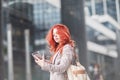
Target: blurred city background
x,y
94,25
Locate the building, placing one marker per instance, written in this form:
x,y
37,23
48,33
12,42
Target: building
x,y
94,24
99,26
102,21
36,16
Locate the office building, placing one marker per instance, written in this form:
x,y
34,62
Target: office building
x,y
94,25
37,16
102,21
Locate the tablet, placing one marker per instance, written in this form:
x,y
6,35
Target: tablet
x,y
36,53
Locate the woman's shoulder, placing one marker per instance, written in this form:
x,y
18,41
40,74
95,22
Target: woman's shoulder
x,y
68,46
68,49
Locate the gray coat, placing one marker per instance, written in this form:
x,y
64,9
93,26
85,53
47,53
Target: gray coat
x,y
60,63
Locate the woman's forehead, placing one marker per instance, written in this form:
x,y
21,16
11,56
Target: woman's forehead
x,y
55,30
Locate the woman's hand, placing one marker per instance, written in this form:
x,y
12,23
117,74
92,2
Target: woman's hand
x,y
40,62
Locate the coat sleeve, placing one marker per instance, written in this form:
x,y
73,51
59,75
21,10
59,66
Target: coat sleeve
x,y
66,59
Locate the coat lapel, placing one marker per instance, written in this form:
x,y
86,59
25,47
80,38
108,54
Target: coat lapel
x,y
55,56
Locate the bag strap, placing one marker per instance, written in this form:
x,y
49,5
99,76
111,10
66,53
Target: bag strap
x,y
78,64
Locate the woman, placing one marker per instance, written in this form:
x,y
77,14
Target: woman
x,y
61,44
97,75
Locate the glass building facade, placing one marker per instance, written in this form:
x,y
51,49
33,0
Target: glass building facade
x,y
100,22
37,16
101,7
101,36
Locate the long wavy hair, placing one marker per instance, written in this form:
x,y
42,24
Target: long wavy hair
x,y
65,38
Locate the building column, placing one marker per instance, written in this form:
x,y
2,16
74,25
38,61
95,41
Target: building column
x,y
72,15
93,7
117,61
118,10
105,6
1,54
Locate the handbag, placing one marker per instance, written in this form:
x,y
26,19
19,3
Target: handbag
x,y
77,71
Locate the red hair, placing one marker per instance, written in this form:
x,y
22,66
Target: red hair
x,y
65,38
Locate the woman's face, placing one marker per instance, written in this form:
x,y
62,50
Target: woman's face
x,y
56,36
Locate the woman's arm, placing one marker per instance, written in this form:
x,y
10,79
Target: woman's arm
x,y
65,61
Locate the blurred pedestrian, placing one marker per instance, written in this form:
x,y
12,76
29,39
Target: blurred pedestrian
x,y
62,46
97,75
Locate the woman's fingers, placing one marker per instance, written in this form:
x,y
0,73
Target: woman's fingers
x,y
35,57
39,61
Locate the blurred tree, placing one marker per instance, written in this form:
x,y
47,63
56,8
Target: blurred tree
x,y
1,56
